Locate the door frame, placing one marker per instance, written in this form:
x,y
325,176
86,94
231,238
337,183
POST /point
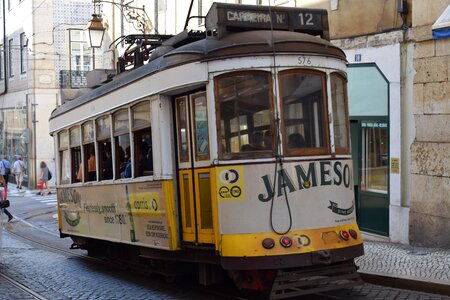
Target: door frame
x,y
362,197
189,172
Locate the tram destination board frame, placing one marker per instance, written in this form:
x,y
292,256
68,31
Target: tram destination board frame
x,y
223,17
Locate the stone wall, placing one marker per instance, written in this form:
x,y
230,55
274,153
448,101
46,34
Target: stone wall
x,y
430,152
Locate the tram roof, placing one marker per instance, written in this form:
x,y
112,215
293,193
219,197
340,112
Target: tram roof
x,y
240,44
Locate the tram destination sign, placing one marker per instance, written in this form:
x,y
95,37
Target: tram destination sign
x,y
224,17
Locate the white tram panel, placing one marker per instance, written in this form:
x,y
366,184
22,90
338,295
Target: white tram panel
x,y
165,81
320,194
282,62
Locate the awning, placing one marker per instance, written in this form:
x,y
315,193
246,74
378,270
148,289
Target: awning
x,y
441,28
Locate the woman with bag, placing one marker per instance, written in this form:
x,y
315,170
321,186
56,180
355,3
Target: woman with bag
x,y
3,198
45,176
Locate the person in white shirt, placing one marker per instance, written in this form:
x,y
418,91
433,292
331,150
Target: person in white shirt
x,y
19,170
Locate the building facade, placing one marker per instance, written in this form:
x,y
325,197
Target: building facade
x,y
42,53
399,100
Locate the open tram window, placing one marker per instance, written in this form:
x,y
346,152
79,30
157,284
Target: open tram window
x,y
244,102
75,152
122,144
89,166
304,118
340,113
64,157
142,140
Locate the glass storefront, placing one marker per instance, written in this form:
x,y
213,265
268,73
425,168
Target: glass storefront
x,y
14,135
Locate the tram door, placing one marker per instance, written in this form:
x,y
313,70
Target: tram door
x,y
194,174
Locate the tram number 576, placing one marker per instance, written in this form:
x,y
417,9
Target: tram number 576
x,y
304,60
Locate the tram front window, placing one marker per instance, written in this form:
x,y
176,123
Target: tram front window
x,y
340,113
303,114
244,105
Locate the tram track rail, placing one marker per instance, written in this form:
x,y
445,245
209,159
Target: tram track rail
x,y
123,265
22,287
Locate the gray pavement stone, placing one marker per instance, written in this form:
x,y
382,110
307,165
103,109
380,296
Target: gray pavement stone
x,y
395,260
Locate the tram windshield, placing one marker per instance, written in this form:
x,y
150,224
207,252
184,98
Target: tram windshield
x,y
245,108
244,102
303,113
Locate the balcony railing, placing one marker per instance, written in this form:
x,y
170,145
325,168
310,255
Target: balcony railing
x,y
72,79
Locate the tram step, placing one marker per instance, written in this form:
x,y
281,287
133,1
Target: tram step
x,y
300,282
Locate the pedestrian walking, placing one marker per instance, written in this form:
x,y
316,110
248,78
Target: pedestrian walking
x,y
19,170
3,196
45,177
5,170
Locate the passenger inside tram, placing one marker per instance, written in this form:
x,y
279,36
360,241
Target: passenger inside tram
x,y
296,140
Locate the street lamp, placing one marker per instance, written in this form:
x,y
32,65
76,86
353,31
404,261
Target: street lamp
x,y
96,31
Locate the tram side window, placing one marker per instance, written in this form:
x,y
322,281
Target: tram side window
x,y
122,144
244,110
142,140
63,145
89,166
340,113
303,112
75,152
104,148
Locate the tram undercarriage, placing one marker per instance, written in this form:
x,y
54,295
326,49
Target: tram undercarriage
x,y
330,270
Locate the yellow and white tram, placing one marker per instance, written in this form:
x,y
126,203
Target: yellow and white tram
x,y
228,150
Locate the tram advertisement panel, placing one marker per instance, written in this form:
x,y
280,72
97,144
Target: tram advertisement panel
x,y
131,213
301,195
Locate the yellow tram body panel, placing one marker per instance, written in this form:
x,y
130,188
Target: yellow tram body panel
x,y
138,213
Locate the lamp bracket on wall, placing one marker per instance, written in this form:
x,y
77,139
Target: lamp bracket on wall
x,y
132,14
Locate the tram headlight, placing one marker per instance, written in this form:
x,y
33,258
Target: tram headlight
x,y
344,235
268,243
286,242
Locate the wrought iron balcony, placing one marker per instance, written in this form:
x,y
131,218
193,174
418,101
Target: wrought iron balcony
x,y
72,79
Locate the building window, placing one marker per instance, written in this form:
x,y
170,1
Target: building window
x,y
10,57
23,53
375,156
81,59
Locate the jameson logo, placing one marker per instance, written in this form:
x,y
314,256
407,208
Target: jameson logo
x,y
340,211
321,173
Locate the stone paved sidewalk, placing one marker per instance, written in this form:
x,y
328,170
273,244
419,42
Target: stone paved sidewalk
x,y
406,262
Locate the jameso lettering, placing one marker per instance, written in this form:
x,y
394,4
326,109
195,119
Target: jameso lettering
x,y
321,173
